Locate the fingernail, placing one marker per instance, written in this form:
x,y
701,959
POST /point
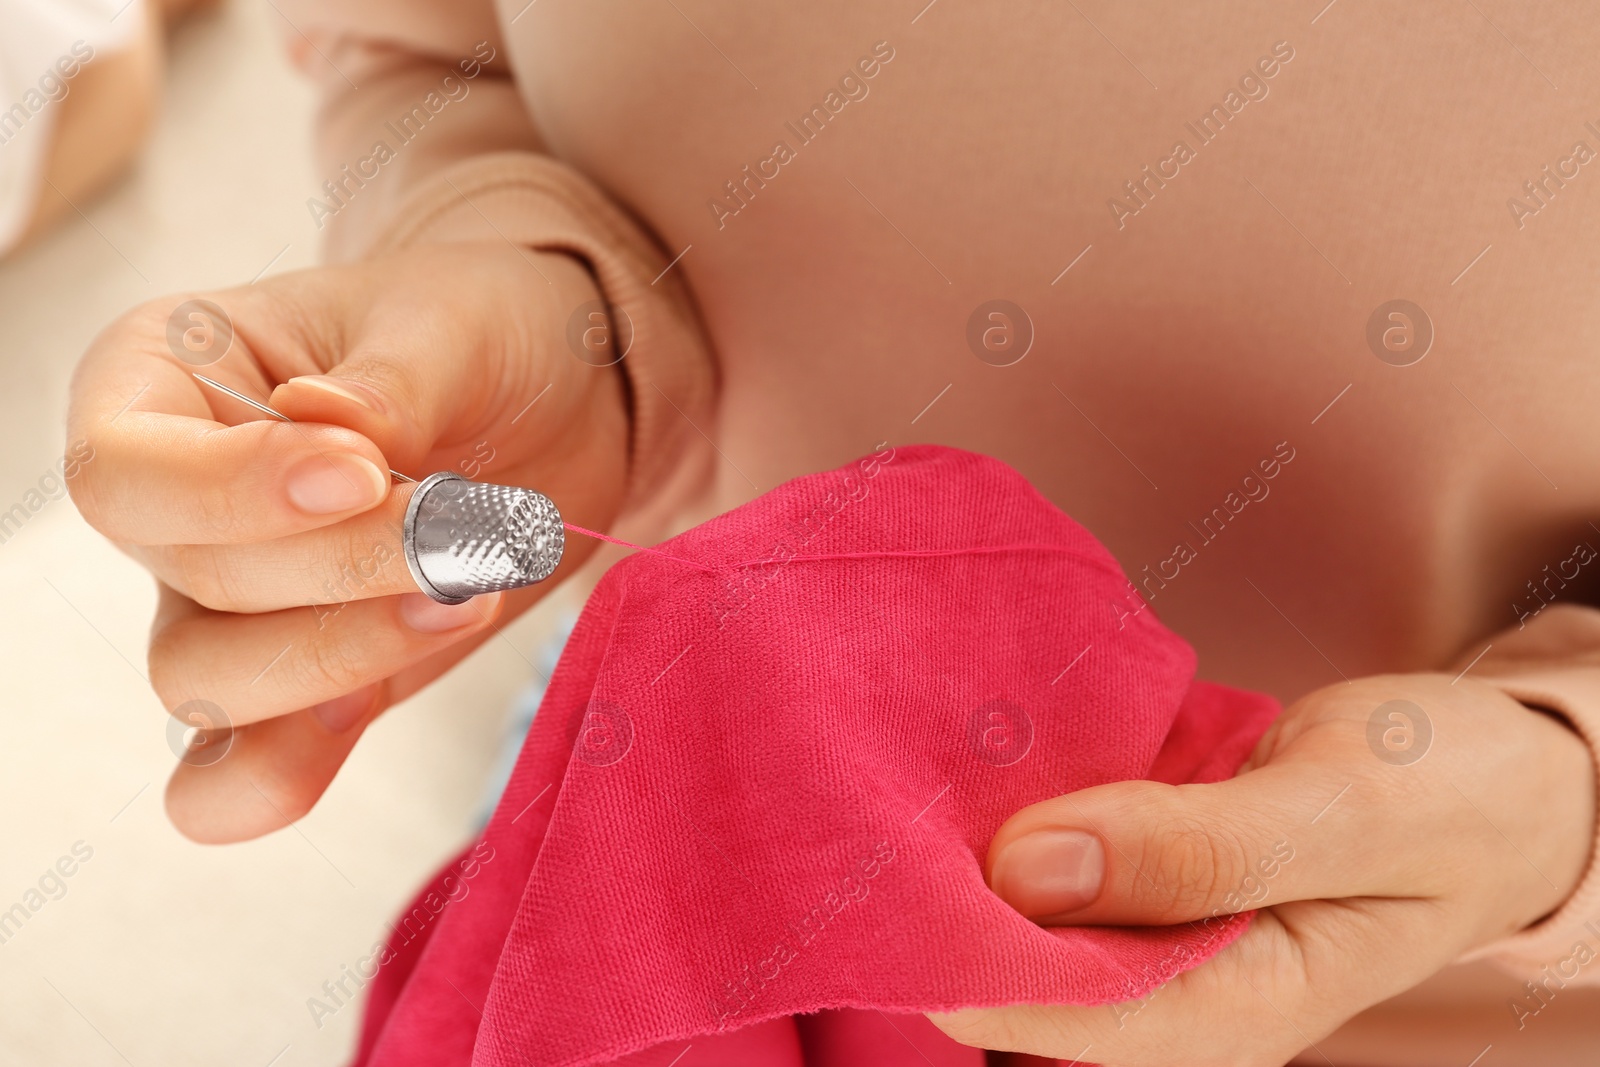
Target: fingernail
x,y
354,392
1049,872
323,485
425,615
341,713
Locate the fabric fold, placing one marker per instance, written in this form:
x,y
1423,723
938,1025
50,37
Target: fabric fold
x,y
753,809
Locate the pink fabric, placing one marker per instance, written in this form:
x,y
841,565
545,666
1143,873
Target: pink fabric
x,y
751,815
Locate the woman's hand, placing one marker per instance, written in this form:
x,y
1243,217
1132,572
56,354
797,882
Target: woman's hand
x,y
1378,854
285,597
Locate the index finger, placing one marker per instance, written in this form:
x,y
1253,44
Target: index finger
x,y
160,459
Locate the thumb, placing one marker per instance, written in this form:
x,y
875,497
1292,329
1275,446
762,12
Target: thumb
x,y
432,352
1144,853
404,406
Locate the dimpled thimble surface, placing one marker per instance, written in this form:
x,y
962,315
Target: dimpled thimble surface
x,y
466,538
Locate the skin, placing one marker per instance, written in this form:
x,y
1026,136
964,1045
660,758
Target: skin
x,y
1411,866
417,359
412,362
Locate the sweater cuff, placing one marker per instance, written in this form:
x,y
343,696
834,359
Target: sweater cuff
x,y
1551,665
536,202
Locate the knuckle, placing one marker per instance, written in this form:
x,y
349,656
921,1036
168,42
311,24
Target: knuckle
x,y
1189,863
203,578
84,497
162,665
220,513
174,674
154,311
145,323
382,375
364,567
335,667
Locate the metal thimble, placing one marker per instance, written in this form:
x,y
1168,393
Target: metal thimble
x,y
466,538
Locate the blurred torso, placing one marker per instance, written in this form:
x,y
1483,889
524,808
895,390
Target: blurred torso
x,y
1192,339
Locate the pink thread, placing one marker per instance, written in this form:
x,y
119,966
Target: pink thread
x,y
1026,546
639,548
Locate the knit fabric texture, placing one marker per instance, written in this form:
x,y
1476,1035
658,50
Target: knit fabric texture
x,y
749,823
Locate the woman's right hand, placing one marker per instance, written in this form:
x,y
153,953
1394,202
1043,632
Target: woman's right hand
x,y
286,601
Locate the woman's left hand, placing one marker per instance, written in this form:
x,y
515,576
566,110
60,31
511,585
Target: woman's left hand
x,y
1377,855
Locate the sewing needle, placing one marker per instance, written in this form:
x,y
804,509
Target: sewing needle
x,y
259,406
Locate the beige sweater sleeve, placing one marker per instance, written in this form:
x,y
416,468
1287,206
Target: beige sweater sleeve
x,y
422,138
1553,663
